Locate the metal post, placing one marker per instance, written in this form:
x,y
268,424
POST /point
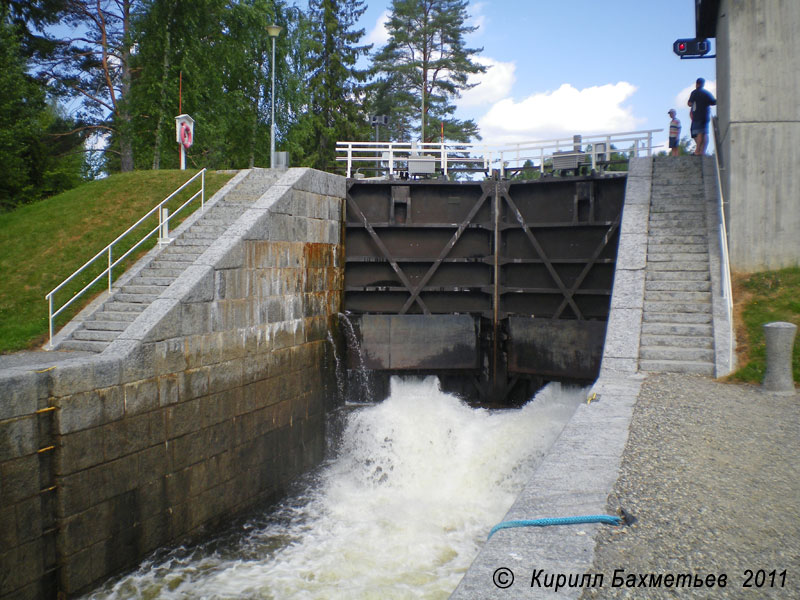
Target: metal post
x,y
202,189
349,159
273,31
163,233
272,102
110,262
50,313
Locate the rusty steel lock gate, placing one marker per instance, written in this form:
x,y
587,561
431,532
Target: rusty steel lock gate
x,y
495,286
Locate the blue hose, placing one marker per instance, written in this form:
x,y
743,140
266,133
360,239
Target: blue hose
x,y
557,521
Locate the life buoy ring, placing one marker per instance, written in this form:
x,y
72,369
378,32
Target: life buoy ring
x,y
186,135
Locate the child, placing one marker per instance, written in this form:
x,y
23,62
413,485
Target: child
x,y
674,132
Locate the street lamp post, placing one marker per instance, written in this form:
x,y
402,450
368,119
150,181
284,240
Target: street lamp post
x,y
273,31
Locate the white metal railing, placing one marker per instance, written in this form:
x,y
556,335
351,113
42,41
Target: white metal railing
x,y
725,267
423,157
107,252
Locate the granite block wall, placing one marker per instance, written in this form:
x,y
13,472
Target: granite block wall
x,y
211,403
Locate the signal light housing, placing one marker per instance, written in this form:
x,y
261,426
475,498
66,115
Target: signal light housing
x,y
691,47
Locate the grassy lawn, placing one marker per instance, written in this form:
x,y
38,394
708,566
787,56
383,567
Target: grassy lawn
x,y
761,298
43,243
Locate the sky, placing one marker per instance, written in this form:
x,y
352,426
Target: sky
x,y
561,67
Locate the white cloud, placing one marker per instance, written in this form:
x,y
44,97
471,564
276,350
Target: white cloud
x,y
476,17
492,86
683,96
379,35
560,113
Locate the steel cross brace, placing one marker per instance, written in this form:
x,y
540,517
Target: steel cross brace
x,y
445,251
540,251
592,261
385,251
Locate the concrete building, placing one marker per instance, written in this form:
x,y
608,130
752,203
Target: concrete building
x,y
758,88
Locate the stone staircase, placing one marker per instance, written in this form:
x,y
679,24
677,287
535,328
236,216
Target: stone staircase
x,y
677,326
128,302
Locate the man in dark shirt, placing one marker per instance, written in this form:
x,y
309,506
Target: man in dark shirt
x,y
700,102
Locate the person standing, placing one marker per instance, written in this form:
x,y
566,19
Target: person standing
x,y
674,132
700,103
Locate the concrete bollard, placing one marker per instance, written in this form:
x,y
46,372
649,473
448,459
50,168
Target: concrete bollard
x,y
780,341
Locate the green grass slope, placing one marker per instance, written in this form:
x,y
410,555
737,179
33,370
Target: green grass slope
x,y
761,298
43,243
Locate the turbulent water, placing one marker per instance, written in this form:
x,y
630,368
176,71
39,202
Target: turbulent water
x,y
400,511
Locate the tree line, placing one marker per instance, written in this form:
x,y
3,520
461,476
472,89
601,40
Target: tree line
x,y
93,86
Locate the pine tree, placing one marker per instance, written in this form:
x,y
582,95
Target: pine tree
x,y
335,108
423,68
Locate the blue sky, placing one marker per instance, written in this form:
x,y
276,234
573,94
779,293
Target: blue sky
x,y
560,67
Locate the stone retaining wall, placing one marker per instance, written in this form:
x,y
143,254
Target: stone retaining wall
x,y
209,404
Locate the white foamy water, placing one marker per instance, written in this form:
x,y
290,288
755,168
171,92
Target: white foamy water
x,y
400,512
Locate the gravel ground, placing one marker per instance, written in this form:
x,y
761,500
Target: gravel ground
x,y
712,473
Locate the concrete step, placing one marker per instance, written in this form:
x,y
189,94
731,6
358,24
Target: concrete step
x,y
676,275
677,318
115,316
95,335
677,286
677,307
677,257
678,221
677,265
676,206
673,188
656,248
202,235
677,366
202,227
225,212
676,353
83,345
137,288
175,265
243,197
650,340
692,228
123,307
688,329
152,281
659,238
185,249
170,272
677,296
190,244
176,256
687,230
135,298
107,325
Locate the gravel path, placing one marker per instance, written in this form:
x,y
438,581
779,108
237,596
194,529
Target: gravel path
x,y
712,472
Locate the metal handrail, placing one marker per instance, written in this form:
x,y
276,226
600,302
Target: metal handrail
x,y
725,267
163,224
484,155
